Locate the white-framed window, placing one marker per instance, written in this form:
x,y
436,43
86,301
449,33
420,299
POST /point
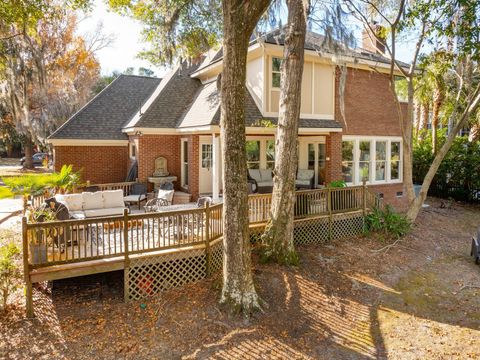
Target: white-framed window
x,y
260,151
276,66
132,151
184,159
207,156
348,169
377,159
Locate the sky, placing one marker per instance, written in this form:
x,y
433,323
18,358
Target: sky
x,y
127,43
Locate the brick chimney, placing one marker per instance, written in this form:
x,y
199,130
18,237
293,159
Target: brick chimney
x,y
370,42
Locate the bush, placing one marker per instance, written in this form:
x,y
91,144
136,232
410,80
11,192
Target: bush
x,y
387,222
9,271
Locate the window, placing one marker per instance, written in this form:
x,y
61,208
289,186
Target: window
x,y
364,161
276,65
133,150
380,160
253,154
270,152
395,160
206,156
347,161
184,163
377,160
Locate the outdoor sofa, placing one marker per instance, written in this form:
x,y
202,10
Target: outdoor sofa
x,y
93,204
263,179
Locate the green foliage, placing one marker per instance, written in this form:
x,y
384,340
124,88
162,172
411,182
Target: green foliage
x,y
26,185
66,179
337,184
387,222
9,271
175,28
460,167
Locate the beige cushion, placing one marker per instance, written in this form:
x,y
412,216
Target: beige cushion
x,y
73,202
92,200
305,174
255,174
113,198
266,175
302,182
166,194
265,183
104,212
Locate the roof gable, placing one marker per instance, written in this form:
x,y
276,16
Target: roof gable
x,y
102,117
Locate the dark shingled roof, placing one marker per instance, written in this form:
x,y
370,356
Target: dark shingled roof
x,y
173,100
315,42
104,116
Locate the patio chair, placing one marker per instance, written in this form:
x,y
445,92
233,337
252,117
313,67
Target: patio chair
x,y
163,198
203,201
138,194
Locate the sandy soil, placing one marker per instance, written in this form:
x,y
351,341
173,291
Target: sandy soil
x,y
347,300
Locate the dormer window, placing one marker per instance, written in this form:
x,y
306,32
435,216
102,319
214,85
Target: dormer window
x,y
276,65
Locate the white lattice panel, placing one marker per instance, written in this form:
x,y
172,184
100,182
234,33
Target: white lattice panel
x,y
147,276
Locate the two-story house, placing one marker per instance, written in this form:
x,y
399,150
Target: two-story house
x,y
178,117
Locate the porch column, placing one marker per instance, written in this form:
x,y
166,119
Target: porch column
x,y
216,162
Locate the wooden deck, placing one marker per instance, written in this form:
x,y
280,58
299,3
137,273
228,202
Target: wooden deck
x,y
64,249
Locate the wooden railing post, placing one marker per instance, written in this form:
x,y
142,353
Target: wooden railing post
x,y
364,195
26,271
126,262
329,208
207,239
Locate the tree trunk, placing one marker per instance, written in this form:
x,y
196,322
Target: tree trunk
x,y
28,147
239,20
407,145
278,236
437,103
417,118
423,119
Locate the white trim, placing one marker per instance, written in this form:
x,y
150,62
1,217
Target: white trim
x,y
182,162
319,131
87,142
149,131
305,116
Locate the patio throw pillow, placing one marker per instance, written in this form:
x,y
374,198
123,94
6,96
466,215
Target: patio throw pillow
x,y
113,199
266,175
305,174
92,200
73,202
166,194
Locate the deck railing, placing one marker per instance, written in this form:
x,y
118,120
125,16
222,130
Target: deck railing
x,y
61,242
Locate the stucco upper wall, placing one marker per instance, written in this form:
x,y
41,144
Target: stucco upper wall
x,y
370,107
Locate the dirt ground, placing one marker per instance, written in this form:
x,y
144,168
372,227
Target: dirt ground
x,y
12,167
418,299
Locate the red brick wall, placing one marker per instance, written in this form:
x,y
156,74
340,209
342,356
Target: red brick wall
x,y
99,164
389,192
193,160
151,147
333,150
370,107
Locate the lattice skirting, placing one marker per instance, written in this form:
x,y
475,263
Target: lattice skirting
x,y
216,255
146,276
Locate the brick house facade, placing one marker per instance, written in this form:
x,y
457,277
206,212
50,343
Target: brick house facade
x,y
183,107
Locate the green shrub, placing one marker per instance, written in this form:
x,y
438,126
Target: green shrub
x,y
9,271
337,184
387,222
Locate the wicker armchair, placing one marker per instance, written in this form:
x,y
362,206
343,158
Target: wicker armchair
x,y
154,205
